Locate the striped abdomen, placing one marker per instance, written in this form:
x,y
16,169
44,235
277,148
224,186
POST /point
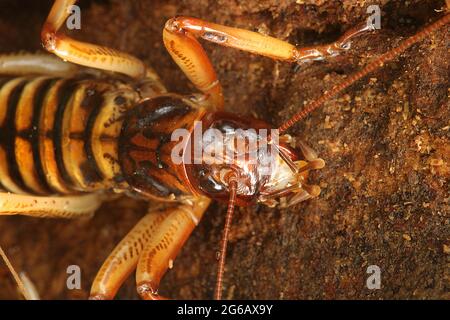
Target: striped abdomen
x,y
59,136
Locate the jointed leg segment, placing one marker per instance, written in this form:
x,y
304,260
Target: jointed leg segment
x,y
151,246
52,207
124,258
40,64
180,38
86,54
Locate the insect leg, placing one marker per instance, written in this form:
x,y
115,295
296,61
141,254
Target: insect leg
x,y
52,207
188,53
180,35
86,54
123,259
151,246
39,63
187,28
164,245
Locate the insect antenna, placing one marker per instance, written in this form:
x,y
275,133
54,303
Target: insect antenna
x,y
372,66
16,277
232,183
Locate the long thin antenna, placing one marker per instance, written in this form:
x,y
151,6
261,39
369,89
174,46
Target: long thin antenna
x,y
232,183
377,63
16,277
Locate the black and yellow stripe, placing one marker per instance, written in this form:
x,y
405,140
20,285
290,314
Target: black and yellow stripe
x,y
59,136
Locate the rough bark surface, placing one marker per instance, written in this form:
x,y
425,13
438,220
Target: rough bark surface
x,y
385,198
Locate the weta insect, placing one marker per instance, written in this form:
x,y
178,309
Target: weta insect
x,y
90,134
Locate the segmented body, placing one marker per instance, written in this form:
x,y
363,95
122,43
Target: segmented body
x,y
61,136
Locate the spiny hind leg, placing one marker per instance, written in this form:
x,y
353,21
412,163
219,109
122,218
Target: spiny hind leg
x,y
151,246
86,54
52,207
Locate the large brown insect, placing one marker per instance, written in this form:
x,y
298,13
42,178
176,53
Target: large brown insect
x,y
94,133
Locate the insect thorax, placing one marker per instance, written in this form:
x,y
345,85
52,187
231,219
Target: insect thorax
x,y
146,146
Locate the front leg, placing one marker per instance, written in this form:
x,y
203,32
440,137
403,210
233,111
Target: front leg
x,y
180,38
151,246
260,44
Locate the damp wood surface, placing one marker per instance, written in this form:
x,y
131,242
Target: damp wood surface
x,y
385,188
